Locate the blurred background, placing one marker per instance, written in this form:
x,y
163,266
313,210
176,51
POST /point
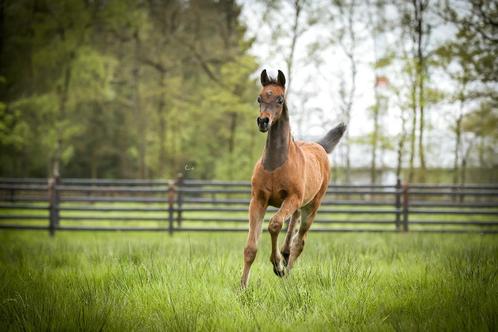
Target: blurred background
x,y
148,89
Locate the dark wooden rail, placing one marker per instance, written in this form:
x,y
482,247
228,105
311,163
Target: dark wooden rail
x,y
197,205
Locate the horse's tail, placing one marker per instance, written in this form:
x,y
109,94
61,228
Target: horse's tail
x,y
333,137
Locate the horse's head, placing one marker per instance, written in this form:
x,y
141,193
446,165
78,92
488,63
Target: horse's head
x,y
271,100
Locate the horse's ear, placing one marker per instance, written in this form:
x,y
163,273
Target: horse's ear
x,y
265,80
281,78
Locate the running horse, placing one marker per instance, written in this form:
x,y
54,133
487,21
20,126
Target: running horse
x,y
290,175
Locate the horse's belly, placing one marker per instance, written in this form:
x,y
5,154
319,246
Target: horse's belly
x,y
316,175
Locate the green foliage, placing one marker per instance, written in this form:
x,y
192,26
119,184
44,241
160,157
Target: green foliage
x,y
12,129
383,141
125,89
142,88
434,96
482,121
385,61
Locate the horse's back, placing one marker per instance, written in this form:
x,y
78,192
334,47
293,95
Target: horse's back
x,y
315,153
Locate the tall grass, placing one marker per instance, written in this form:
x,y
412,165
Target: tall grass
x,y
188,282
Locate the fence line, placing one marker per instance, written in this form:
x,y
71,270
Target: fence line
x,y
186,205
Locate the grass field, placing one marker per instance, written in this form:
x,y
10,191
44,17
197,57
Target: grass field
x,y
188,282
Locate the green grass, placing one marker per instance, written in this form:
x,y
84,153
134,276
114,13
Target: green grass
x,y
127,282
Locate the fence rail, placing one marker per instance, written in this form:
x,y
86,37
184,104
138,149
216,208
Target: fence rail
x,y
185,205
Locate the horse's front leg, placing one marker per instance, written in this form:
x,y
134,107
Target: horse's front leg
x,y
257,209
289,206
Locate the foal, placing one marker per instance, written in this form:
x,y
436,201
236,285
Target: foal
x,y
292,176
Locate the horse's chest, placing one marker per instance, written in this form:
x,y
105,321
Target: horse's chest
x,y
277,185
277,197
278,189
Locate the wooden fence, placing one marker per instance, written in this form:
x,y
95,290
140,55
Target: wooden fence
x,y
197,205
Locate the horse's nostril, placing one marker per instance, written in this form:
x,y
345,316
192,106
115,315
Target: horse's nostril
x,y
263,121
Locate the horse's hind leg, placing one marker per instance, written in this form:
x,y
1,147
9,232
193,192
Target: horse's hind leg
x,y
256,213
287,209
294,224
308,215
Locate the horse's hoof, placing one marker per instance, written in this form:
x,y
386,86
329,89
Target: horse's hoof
x,y
280,273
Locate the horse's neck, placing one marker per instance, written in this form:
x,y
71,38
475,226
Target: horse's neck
x,y
277,143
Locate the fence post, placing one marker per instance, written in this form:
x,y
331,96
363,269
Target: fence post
x,y
405,207
12,195
461,189
398,204
179,199
53,196
171,206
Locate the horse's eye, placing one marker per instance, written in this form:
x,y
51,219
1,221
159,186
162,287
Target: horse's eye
x,y
259,99
280,100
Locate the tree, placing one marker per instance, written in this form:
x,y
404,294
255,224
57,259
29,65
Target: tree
x,y
118,88
469,59
345,36
414,21
377,24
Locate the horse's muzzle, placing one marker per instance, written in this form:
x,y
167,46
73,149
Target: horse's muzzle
x,y
263,124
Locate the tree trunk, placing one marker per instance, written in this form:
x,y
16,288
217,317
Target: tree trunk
x,y
458,131
421,79
421,149
233,127
162,127
373,15
419,8
401,147
139,113
458,142
482,162
413,135
57,158
63,92
174,148
295,33
375,138
2,28
348,160
463,177
463,168
93,166
231,141
349,106
463,171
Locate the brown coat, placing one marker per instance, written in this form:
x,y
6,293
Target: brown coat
x,y
305,174
292,176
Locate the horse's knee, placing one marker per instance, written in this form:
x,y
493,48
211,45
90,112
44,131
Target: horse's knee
x,y
275,225
250,254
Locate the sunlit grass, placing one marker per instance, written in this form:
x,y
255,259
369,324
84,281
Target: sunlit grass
x,y
83,281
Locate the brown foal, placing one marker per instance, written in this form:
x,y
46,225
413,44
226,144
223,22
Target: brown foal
x,y
290,175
